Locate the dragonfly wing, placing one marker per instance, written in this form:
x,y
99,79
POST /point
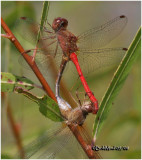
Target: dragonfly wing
x,y
46,138
66,142
92,62
88,139
100,36
44,59
100,59
56,147
28,29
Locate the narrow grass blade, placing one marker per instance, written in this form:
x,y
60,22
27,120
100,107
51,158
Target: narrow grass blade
x,y
43,17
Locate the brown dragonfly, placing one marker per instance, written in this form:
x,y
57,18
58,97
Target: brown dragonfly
x,y
51,143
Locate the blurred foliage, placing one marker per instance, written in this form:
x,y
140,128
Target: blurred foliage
x,y
122,127
5,156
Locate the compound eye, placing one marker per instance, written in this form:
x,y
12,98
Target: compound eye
x,y
58,23
64,23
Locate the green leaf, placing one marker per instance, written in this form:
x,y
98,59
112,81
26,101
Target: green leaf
x,y
47,106
117,82
10,81
24,83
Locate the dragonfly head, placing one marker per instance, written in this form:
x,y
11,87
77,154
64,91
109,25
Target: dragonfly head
x,y
59,23
86,107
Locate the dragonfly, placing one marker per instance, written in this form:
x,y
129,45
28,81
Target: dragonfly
x,y
74,117
85,50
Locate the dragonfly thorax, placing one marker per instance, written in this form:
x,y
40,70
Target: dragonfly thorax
x,y
67,41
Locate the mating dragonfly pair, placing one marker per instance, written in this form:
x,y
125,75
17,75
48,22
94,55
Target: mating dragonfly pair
x,y
89,53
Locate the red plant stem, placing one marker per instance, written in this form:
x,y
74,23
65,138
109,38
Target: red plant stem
x,y
43,82
28,58
15,131
74,59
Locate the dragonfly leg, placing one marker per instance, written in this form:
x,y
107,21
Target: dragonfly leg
x,y
85,95
51,37
46,30
51,43
78,97
74,99
34,54
74,84
56,50
49,24
27,51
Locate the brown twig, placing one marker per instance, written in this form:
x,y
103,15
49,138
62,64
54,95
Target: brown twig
x,y
15,131
47,88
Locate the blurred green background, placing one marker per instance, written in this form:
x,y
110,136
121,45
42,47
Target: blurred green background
x,y
122,127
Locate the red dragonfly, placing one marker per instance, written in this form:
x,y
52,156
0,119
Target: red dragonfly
x,y
88,46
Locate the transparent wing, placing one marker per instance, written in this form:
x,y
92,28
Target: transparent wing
x,y
92,62
6,7
66,143
100,36
57,147
45,61
28,29
48,46
34,147
88,139
100,59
